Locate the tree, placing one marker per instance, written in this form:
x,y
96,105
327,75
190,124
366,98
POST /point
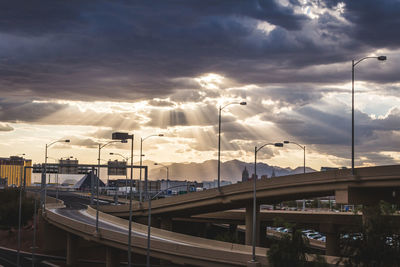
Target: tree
x,y
378,244
290,250
9,205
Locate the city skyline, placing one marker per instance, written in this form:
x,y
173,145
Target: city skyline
x,y
81,71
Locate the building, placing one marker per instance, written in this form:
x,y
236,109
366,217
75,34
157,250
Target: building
x,y
85,184
68,166
245,175
12,169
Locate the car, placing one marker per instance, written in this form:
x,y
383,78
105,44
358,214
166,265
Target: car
x,y
307,231
279,229
310,235
315,237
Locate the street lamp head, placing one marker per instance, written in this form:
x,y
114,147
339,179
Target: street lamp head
x,y
286,142
382,58
243,103
278,144
67,141
155,163
124,141
161,135
111,153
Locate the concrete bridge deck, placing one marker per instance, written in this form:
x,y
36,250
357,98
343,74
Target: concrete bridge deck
x,y
173,247
369,185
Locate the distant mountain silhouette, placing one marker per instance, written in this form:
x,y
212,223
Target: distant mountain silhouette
x,y
207,170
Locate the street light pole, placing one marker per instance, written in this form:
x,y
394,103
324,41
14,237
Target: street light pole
x,y
219,139
19,216
353,64
140,170
98,178
123,137
45,170
304,163
167,171
304,153
253,259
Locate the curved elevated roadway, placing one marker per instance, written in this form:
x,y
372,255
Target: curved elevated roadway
x,y
174,247
369,185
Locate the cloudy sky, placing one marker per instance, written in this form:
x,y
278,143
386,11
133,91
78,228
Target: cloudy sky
x,y
84,69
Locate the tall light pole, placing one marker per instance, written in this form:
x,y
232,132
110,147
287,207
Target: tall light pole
x,y
140,170
44,183
219,138
98,178
167,172
353,64
304,153
304,162
123,137
253,259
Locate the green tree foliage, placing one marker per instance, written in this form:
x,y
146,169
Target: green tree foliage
x,y
9,204
378,244
290,250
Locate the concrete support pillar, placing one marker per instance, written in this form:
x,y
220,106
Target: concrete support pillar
x,y
249,225
332,239
72,249
112,257
332,244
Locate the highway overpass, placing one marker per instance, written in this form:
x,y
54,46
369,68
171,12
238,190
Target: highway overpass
x,y
368,186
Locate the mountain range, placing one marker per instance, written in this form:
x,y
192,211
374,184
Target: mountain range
x,y
207,170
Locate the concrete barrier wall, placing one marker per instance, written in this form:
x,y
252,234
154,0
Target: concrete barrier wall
x,y
205,254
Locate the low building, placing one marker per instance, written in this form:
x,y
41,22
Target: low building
x,y
85,184
12,169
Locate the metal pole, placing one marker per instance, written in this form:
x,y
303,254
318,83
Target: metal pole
x,y
19,220
34,234
126,183
97,189
130,209
254,206
140,171
167,178
45,182
304,158
57,187
352,117
91,186
219,147
148,233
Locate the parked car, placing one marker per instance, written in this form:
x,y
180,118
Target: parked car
x,y
312,234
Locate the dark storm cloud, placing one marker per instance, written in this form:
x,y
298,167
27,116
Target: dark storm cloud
x,y
377,22
138,50
64,114
27,111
